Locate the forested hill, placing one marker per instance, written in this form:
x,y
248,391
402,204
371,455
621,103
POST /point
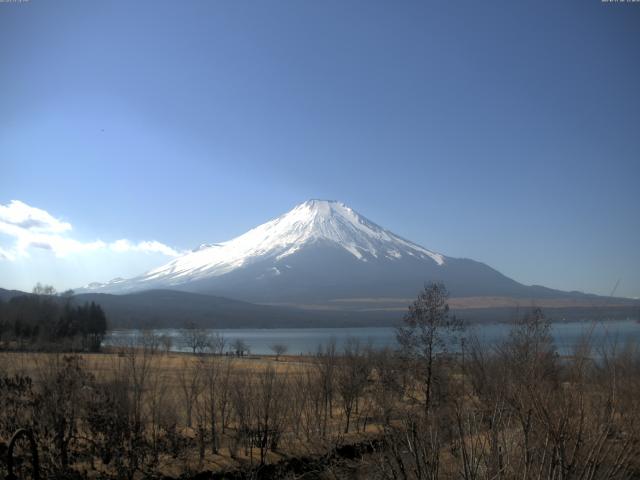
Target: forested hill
x,y
40,321
175,309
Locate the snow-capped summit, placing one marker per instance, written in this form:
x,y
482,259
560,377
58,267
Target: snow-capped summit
x,y
319,251
335,222
313,221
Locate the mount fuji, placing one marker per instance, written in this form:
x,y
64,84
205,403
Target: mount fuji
x,y
323,254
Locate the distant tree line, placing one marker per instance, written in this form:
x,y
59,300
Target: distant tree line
x,y
44,318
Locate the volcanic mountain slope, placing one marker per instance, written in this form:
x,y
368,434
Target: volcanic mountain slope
x,y
319,253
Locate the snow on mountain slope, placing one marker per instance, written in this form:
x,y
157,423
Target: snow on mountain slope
x,y
310,222
319,253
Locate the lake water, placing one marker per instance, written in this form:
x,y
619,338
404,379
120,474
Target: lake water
x,y
307,340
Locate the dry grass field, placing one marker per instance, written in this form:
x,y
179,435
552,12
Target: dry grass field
x,y
176,391
171,364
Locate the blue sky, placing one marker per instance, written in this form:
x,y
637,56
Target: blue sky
x,y
507,132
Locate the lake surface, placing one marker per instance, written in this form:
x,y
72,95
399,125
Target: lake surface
x,y
307,340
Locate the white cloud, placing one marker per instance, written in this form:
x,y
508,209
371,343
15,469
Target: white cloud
x,y
20,215
32,227
125,245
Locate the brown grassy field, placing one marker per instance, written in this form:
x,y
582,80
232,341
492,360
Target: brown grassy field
x,y
166,376
171,364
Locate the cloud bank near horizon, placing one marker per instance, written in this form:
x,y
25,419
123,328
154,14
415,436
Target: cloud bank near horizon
x,y
29,227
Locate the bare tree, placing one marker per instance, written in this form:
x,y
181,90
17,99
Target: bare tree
x,y
196,339
62,380
352,376
529,357
216,343
240,347
428,327
270,411
390,384
242,404
40,289
138,365
149,341
214,371
190,384
157,406
167,342
325,362
279,349
224,392
308,403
